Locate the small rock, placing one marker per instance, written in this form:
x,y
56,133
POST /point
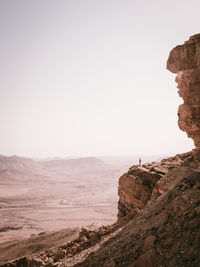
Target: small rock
x,y
148,243
84,239
59,254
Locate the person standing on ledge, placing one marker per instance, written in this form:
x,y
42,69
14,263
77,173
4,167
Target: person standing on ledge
x,y
140,161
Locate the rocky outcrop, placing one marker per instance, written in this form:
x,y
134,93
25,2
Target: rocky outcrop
x,y
135,189
56,256
160,202
141,184
165,233
185,61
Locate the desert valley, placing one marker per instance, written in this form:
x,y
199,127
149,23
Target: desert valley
x,y
158,215
52,195
38,197
100,133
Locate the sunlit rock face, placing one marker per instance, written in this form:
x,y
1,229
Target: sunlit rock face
x,y
185,61
143,183
135,189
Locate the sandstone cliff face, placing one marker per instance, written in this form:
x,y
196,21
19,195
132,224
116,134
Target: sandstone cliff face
x,y
166,232
142,184
185,61
135,189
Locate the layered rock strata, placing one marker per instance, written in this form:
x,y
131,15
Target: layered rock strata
x,y
185,61
165,233
141,184
135,189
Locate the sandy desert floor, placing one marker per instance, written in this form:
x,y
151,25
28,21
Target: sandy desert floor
x,y
30,209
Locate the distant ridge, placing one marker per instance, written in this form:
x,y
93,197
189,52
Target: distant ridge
x,y
23,169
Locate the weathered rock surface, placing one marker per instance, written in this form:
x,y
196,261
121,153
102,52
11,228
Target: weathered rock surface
x,y
88,237
166,232
143,183
185,61
35,244
135,189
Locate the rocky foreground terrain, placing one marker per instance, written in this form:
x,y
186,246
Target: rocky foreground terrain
x,y
166,232
159,203
161,229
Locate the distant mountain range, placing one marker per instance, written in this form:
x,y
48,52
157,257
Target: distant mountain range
x,y
16,168
79,165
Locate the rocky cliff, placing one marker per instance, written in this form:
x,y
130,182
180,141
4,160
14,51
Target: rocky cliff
x,y
185,61
143,183
166,232
138,185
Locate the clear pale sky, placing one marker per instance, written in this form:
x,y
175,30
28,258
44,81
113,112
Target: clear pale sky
x,y
89,78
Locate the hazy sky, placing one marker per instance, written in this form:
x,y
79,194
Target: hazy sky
x,y
88,77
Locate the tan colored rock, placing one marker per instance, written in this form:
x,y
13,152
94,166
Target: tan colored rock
x,y
140,185
84,239
93,237
75,249
135,189
166,232
59,254
185,61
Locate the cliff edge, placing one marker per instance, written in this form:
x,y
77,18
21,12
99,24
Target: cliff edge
x,y
166,232
138,185
159,203
143,184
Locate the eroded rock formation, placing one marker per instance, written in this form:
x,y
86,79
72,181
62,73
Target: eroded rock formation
x,y
135,189
166,232
64,254
185,61
141,184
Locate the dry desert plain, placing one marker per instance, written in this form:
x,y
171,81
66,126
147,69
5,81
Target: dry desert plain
x,y
47,196
45,203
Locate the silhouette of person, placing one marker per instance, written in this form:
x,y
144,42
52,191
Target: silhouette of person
x,y
140,161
